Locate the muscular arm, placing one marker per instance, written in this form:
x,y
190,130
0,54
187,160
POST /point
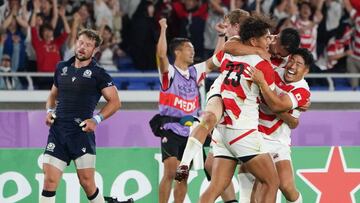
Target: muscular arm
x,y
237,48
113,102
276,103
291,121
55,14
162,48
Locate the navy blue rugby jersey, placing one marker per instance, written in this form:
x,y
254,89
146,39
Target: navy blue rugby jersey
x,y
79,89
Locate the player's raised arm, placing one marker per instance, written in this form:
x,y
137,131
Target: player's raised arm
x,y
162,47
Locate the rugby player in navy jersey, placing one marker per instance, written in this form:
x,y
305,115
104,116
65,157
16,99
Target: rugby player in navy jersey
x,y
78,85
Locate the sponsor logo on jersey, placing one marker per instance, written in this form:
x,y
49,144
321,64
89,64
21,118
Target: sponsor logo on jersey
x,y
73,79
50,147
87,74
187,106
83,149
186,89
64,71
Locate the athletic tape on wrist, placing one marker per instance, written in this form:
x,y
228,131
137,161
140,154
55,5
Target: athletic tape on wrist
x,y
50,110
98,118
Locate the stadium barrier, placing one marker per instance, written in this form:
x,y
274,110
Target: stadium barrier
x,y
137,75
149,93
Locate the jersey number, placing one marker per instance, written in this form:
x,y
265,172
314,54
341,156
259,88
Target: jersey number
x,y
238,69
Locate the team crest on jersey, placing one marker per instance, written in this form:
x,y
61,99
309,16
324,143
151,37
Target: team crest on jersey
x,y
50,147
64,71
87,74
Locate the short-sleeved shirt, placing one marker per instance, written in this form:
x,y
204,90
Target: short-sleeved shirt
x,y
79,89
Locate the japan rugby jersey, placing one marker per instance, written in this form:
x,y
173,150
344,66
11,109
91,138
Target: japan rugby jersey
x,y
240,96
271,126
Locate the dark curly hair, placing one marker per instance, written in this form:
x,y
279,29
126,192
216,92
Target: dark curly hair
x,y
255,26
306,55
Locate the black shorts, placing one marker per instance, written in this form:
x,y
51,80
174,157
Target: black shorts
x,y
172,145
68,142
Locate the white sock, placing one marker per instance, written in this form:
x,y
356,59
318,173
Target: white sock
x,y
98,198
246,183
299,199
193,146
44,199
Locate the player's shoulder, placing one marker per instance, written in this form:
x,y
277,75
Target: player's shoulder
x,y
301,84
256,60
66,63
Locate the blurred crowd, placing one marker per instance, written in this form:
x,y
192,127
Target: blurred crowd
x,y
35,35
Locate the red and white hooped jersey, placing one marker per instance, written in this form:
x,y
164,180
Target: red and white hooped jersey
x,y
271,126
240,96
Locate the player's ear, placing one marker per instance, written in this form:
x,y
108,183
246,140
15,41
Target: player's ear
x,y
307,69
253,41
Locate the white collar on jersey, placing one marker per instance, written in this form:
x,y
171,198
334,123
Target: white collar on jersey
x,y
184,73
234,37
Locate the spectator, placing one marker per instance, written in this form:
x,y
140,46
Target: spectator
x,y
16,27
47,48
8,7
6,82
37,19
86,20
109,50
280,10
191,15
103,13
306,21
353,62
70,45
143,32
49,8
334,57
247,5
332,12
2,41
216,13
